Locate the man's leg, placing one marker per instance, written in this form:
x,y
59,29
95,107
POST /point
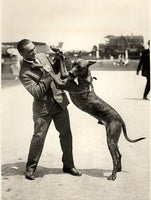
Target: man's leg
x,y
62,124
41,125
147,88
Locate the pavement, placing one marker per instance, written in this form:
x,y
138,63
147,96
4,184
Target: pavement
x,y
121,89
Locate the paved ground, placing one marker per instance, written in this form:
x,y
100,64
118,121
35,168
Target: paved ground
x,y
123,90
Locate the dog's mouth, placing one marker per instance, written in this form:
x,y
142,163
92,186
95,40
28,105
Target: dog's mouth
x,y
72,75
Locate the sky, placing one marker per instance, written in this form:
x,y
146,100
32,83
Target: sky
x,y
79,24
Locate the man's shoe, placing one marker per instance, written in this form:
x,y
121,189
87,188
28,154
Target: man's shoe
x,y
145,98
72,171
30,175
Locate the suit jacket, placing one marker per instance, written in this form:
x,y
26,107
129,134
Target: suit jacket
x,y
144,63
47,98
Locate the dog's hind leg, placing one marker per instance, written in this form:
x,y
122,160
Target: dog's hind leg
x,y
113,130
119,165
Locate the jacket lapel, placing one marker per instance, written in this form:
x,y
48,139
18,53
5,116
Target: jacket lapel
x,y
57,93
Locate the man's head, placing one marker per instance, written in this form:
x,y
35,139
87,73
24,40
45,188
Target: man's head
x,y
26,49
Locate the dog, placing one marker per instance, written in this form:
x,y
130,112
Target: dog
x,y
84,97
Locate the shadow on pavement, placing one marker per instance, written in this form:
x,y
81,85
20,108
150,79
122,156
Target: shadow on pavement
x,y
136,99
96,172
13,169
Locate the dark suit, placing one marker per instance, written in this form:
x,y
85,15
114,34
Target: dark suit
x,y
144,66
49,104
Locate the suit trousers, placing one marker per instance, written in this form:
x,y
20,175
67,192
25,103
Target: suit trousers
x,y
147,87
41,125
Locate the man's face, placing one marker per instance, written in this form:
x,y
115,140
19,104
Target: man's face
x,y
29,51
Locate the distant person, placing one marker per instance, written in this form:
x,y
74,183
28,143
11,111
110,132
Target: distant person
x,y
144,66
49,104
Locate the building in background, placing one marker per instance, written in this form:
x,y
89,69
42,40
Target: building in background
x,y
114,46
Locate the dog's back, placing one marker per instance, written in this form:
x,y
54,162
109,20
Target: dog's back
x,y
89,102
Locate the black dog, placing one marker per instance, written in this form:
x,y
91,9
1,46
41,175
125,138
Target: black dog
x,y
84,97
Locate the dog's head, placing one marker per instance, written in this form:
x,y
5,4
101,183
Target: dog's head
x,y
80,68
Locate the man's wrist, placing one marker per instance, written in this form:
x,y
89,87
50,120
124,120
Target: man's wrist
x,y
47,68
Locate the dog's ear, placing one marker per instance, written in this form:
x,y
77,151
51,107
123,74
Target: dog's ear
x,y
90,63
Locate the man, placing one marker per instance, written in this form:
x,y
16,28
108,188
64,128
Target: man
x,y
49,104
144,65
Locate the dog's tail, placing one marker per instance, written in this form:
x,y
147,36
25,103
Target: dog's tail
x,y
126,136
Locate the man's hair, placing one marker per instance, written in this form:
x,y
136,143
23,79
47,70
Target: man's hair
x,y
21,44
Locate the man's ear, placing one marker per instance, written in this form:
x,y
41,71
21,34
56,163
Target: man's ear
x,y
90,63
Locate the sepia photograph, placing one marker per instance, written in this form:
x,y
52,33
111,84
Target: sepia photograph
x,y
75,100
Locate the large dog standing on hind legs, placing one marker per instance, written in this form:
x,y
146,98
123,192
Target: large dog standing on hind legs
x,y
85,98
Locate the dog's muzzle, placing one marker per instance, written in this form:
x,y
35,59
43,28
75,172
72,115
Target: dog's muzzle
x,y
72,75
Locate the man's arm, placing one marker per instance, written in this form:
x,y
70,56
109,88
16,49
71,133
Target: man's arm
x,y
139,65
67,84
62,83
36,89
